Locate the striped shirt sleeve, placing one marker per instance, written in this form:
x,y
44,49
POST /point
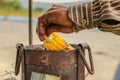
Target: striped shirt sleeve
x,y
104,14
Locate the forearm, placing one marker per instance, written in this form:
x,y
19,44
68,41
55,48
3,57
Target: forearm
x,y
99,13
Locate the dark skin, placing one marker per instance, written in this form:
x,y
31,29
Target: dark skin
x,y
54,20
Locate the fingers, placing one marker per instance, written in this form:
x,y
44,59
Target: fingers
x,y
57,28
59,17
56,20
43,22
40,29
52,28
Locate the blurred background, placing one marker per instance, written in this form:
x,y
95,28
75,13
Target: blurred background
x,y
14,29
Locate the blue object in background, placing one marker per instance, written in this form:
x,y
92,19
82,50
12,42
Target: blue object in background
x,y
18,19
1,17
117,75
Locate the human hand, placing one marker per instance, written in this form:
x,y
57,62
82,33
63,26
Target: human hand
x,y
54,20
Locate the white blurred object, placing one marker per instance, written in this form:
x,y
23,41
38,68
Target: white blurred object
x,y
39,76
62,1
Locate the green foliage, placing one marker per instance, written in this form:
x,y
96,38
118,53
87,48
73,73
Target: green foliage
x,y
14,8
10,5
2,3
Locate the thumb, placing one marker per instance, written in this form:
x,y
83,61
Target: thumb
x,y
52,28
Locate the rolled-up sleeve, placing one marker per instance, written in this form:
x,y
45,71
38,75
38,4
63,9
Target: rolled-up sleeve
x,y
104,14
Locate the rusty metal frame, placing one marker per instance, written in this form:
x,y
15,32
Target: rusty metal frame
x,y
31,58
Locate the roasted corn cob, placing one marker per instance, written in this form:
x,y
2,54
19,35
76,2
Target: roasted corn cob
x,y
55,42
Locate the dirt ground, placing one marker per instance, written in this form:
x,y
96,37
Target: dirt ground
x,y
105,48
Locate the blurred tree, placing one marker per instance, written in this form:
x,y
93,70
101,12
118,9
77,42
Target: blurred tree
x,y
37,9
15,8
2,3
14,4
11,5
